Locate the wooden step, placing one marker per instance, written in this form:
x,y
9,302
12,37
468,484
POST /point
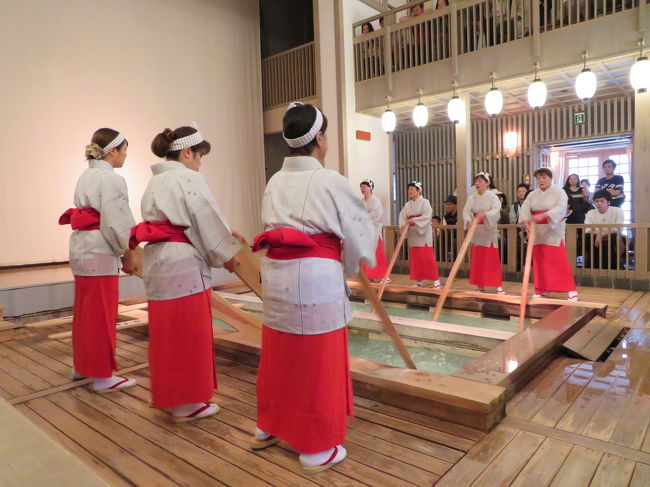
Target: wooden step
x,y
592,340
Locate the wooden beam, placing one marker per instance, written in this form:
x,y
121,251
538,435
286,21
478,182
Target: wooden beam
x,y
454,270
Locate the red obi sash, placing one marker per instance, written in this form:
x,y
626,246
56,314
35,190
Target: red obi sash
x,y
81,218
544,221
289,244
154,232
412,216
480,222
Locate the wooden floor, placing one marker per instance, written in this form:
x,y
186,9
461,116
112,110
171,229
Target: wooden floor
x,y
577,423
129,443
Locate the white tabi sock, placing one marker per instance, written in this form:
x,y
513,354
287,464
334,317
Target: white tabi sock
x,y
315,459
105,383
260,434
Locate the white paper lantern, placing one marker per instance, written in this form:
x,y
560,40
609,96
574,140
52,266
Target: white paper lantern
x,y
640,75
494,102
456,109
537,94
420,115
586,84
388,121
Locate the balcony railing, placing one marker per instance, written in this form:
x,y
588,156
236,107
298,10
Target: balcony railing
x,y
465,26
288,76
621,253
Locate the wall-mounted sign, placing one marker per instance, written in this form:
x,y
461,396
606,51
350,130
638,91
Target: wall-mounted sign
x,y
578,118
363,135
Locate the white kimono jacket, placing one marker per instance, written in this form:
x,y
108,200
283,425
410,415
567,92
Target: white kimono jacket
x,y
374,209
486,234
421,233
182,197
97,252
554,202
309,296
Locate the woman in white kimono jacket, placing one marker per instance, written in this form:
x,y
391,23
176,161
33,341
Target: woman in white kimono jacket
x,y
485,263
187,236
547,206
304,390
417,214
101,220
374,209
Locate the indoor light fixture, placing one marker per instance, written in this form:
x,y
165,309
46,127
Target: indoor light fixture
x,y
455,107
640,72
537,91
493,99
586,82
420,112
388,118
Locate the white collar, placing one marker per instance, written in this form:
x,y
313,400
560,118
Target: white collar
x,y
100,164
165,166
300,163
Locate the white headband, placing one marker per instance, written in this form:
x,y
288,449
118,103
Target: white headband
x,y
303,140
369,182
113,143
417,184
187,141
484,174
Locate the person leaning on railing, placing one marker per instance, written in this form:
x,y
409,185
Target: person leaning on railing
x,y
603,241
612,183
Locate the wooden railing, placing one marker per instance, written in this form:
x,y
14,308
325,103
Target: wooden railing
x,y
288,76
623,255
464,26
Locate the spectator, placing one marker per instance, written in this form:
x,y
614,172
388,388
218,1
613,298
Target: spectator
x,y
504,217
603,241
367,28
579,203
451,210
586,185
613,184
436,220
419,43
522,192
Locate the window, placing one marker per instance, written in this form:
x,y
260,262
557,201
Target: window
x,y
589,167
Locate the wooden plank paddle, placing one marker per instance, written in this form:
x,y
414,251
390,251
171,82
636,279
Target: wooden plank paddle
x,y
389,328
393,259
524,284
454,269
248,268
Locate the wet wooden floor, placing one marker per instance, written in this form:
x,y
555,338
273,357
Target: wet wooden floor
x,y
577,423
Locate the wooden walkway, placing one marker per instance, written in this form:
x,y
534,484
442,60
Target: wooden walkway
x,y
578,423
130,444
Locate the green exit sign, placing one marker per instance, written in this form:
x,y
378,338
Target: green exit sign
x,y
578,118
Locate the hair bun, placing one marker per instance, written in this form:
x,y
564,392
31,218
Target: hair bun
x,y
95,151
169,135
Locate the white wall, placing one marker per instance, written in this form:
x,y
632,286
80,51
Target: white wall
x,y
365,159
72,66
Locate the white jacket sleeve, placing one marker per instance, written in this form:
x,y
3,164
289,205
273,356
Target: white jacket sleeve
x,y
209,227
116,218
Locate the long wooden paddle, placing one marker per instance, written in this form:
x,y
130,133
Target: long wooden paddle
x,y
454,269
248,268
393,259
524,284
389,328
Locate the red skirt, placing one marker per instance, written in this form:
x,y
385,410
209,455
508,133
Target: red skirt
x,y
422,264
485,266
181,351
304,389
551,269
93,325
379,271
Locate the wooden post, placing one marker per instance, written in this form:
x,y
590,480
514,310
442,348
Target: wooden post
x,y
400,242
454,269
389,328
524,284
